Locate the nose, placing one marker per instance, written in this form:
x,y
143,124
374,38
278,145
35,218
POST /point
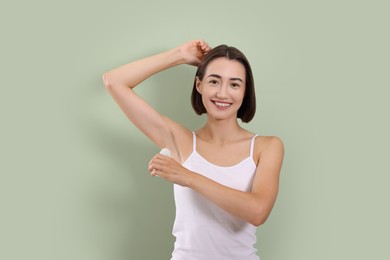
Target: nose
x,y
222,92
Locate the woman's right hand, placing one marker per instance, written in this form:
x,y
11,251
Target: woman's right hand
x,y
193,52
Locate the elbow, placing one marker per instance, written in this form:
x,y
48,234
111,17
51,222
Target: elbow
x,y
258,221
107,80
112,82
259,217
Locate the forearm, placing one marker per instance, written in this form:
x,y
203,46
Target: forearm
x,y
253,206
134,73
244,205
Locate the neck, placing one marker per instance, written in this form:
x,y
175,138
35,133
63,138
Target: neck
x,y
221,131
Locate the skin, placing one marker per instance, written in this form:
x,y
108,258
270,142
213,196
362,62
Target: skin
x,y
221,140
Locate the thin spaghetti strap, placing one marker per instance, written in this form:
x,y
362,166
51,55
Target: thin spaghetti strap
x,y
193,142
252,145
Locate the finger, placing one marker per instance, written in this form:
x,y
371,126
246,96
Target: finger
x,y
201,44
154,173
155,165
206,48
152,160
161,174
161,158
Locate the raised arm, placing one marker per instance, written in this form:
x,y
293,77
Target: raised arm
x,y
120,82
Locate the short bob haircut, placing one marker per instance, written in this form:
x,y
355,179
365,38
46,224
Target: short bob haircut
x,y
248,107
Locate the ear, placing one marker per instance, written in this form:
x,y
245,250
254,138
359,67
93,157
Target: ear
x,y
198,83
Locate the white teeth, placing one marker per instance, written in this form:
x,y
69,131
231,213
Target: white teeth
x,y
222,104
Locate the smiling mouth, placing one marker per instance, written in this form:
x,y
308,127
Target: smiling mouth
x,y
222,105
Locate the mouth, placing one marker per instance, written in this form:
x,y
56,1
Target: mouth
x,y
221,105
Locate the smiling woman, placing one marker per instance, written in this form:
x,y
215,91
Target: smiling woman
x,y
225,178
240,76
221,91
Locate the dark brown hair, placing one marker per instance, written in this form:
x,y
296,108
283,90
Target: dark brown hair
x,y
248,107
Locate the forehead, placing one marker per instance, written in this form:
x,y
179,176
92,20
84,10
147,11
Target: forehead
x,y
226,68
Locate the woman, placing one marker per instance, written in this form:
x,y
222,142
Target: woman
x,y
225,178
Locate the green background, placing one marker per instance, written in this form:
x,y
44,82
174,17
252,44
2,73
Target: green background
x,y
74,181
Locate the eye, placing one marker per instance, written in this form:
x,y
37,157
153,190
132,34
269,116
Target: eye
x,y
213,82
235,85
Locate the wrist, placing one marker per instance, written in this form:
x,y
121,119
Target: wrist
x,y
176,56
191,176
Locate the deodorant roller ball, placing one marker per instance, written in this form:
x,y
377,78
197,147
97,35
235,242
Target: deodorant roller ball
x,y
165,152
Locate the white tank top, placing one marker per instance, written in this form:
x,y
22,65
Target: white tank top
x,y
205,231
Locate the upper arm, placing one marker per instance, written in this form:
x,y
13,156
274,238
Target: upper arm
x,y
159,129
266,181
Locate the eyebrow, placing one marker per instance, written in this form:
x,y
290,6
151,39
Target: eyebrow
x,y
219,77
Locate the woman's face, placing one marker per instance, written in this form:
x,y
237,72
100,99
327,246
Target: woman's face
x,y
222,88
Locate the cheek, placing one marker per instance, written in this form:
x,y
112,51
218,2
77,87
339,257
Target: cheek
x,y
204,100
240,95
205,93
240,99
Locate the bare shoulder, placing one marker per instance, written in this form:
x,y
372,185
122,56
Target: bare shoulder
x,y
268,147
263,143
